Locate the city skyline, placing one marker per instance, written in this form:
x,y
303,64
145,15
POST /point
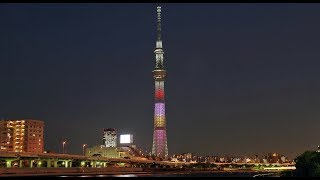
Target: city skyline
x,y
243,77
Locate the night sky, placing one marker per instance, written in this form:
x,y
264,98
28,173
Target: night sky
x,y
242,79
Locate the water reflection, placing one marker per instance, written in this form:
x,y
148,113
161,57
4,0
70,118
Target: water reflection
x,y
125,175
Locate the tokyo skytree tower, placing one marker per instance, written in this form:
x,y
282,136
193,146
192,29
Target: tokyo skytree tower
x,y
159,146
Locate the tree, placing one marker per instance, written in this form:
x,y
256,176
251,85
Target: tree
x,y
308,164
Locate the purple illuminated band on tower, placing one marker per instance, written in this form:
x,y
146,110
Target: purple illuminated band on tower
x,y
159,109
159,146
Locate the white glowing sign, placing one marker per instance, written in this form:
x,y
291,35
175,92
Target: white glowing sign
x,y
125,139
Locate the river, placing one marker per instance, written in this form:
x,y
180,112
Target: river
x,y
183,174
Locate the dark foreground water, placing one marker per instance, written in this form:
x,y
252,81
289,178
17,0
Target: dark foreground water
x,y
159,174
185,174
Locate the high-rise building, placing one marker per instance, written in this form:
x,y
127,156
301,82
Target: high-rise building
x,y
22,135
109,137
159,146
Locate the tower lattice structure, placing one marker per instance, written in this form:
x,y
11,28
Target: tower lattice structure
x,y
159,146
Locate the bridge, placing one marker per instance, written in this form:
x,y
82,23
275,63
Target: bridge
x,y
24,159
266,166
48,160
253,163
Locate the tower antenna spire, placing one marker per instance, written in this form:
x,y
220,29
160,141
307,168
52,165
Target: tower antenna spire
x,y
159,51
159,22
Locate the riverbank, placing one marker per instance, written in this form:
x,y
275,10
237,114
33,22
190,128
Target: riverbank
x,y
65,171
82,171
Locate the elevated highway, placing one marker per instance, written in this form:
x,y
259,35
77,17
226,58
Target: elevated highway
x,y
22,159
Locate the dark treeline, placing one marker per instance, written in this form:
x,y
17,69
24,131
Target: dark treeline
x,y
307,165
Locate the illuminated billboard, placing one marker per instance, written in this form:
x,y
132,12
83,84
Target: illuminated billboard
x,y
126,139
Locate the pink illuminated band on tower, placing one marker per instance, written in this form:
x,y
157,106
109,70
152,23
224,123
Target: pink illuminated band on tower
x,y
159,145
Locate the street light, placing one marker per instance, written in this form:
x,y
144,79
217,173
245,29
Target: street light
x,y
84,145
63,144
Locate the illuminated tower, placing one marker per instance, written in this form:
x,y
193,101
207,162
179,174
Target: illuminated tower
x,y
159,147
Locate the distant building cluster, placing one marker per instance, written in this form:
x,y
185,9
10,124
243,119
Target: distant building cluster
x,y
110,149
269,158
24,135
